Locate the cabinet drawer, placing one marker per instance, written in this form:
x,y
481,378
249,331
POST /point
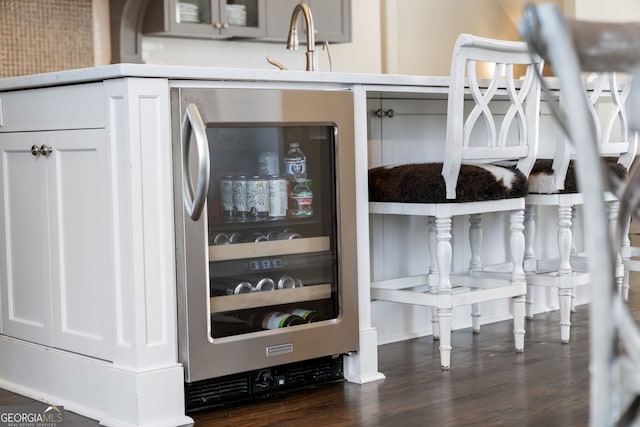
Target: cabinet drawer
x,y
71,107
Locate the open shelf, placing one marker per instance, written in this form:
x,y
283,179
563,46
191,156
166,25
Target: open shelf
x,y
226,303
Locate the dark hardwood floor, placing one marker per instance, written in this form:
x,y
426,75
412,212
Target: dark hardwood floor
x,y
489,384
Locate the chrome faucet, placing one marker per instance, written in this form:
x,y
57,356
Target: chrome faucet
x,y
292,40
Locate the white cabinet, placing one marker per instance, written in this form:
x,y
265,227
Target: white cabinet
x,y
55,239
87,258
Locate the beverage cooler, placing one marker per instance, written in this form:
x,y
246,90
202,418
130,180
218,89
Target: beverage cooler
x,y
265,240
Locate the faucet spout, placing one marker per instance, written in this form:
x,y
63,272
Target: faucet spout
x,y
292,40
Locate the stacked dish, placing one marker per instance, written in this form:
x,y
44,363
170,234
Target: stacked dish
x,y
187,12
236,14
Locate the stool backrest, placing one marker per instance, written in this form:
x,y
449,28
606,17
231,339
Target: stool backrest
x,y
506,132
607,94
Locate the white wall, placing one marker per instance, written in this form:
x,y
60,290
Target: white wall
x,y
362,55
419,35
598,10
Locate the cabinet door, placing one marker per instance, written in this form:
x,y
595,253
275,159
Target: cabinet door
x,y
242,18
56,267
80,241
207,19
193,18
24,254
279,18
332,20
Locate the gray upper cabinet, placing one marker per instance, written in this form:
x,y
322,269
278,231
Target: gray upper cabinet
x,y
207,19
332,20
266,20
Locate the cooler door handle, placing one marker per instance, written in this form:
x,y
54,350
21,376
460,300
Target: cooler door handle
x,y
194,199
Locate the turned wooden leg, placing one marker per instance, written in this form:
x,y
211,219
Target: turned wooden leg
x,y
475,318
574,251
433,272
564,297
625,255
565,285
614,209
529,253
518,322
475,242
517,244
443,230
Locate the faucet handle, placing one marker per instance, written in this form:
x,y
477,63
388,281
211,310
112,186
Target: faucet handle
x,y
272,61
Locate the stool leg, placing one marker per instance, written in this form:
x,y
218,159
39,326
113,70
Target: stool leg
x,y
475,318
614,209
518,322
529,253
433,272
517,275
625,254
573,252
443,229
475,242
565,285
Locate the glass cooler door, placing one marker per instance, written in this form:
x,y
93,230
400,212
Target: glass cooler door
x,y
271,228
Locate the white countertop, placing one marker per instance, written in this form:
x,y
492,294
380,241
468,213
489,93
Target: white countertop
x,y
84,75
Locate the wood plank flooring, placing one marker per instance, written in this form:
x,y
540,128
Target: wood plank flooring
x,y
489,384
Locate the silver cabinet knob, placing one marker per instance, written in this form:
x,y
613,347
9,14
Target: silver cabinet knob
x,y
217,25
35,150
45,150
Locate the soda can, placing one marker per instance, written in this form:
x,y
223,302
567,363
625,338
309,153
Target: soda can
x,y
268,163
258,197
240,288
240,197
264,285
221,239
277,196
226,196
289,235
247,238
255,237
286,282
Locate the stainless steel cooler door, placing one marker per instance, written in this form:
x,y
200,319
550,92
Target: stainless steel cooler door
x,y
223,134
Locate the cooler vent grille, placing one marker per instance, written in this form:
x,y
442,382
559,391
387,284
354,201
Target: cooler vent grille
x,y
210,393
309,375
